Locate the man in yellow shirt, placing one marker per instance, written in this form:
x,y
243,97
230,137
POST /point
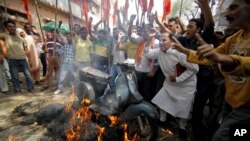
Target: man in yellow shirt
x,y
83,50
130,46
236,108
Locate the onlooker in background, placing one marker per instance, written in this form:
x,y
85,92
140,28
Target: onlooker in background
x,y
172,25
31,30
33,53
145,67
3,81
76,33
118,56
54,57
83,50
17,52
101,56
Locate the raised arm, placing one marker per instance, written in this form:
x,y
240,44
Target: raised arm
x,y
162,27
205,9
97,24
131,21
182,26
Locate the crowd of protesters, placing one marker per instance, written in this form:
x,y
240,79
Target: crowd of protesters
x,y
177,66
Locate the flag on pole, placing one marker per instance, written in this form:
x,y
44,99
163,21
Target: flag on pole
x,y
106,9
85,10
144,5
26,7
114,14
166,9
126,5
150,6
126,8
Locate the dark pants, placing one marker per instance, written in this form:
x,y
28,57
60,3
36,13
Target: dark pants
x,y
15,66
231,117
204,92
44,63
146,85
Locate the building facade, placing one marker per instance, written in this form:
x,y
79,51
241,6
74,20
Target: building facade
x,y
46,9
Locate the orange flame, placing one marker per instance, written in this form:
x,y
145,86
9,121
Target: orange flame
x,y
101,132
135,137
71,135
79,117
72,98
11,138
113,119
167,132
85,101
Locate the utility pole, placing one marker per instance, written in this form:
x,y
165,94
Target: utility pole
x,y
181,9
5,10
70,16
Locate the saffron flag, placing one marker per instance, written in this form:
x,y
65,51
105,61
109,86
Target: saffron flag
x,y
143,4
114,14
26,7
150,6
166,9
85,10
106,9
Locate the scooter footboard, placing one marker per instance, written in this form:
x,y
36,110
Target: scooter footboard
x,y
135,110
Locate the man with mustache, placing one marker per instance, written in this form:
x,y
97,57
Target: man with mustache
x,y
176,95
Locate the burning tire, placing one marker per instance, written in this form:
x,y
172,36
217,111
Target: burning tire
x,y
144,127
84,91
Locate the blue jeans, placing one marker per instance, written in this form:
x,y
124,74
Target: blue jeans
x,y
66,69
115,70
230,117
15,65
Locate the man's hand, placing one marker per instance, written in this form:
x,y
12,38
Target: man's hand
x,y
172,78
201,3
151,74
157,19
206,50
178,46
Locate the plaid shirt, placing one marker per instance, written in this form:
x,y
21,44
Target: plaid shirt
x,y
68,53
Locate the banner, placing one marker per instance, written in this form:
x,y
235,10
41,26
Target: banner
x,y
114,14
150,6
26,7
105,10
166,9
144,5
85,10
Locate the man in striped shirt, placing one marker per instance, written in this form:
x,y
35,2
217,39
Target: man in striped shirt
x,y
53,56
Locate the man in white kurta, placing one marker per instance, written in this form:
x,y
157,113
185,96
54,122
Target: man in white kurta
x,y
176,95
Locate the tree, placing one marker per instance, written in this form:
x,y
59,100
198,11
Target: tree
x,y
189,9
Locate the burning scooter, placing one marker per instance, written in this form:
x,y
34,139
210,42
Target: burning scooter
x,y
126,102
